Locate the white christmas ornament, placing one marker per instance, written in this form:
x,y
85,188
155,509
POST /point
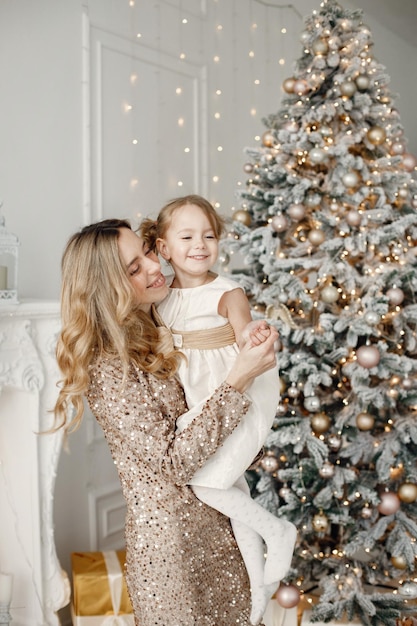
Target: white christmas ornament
x,y
371,317
350,179
317,155
395,295
329,294
312,403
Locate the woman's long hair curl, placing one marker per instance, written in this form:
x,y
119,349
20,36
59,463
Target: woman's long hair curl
x,y
100,319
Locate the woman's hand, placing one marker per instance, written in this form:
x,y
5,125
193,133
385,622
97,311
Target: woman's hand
x,y
256,332
252,361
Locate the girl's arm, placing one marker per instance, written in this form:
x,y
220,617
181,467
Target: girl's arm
x,y
234,305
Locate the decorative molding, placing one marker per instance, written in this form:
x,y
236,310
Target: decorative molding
x,y
101,44
28,333
107,509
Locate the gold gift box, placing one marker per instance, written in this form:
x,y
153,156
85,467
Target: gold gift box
x,y
99,587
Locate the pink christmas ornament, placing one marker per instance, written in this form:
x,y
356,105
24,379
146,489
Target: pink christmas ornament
x,y
368,356
390,503
287,596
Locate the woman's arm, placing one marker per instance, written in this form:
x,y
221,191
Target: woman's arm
x,y
140,415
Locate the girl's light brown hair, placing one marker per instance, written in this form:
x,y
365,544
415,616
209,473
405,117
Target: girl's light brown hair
x,y
152,230
100,318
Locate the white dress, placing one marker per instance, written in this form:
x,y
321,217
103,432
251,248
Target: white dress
x,y
192,309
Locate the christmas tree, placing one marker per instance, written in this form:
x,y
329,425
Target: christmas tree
x,y
327,231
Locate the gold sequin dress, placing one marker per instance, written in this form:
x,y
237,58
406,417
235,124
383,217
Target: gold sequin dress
x,y
183,566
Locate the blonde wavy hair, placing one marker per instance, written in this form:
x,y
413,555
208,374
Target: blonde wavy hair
x,y
100,319
151,230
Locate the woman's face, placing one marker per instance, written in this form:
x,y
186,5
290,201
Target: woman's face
x,y
142,268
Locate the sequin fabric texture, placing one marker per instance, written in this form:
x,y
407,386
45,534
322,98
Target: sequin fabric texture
x,y
183,566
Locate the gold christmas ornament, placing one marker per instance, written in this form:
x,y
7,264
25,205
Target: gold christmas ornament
x,y
268,139
320,47
320,423
365,421
269,463
288,85
396,472
243,217
399,562
348,88
362,82
376,135
316,236
407,492
320,523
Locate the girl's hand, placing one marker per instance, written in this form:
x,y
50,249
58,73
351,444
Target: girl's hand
x,y
252,361
255,332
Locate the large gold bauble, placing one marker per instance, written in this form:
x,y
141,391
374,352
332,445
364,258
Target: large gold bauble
x,y
320,423
268,139
243,217
362,82
407,492
348,88
320,47
376,135
288,85
316,236
399,562
365,421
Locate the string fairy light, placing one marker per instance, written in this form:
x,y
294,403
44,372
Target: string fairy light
x,y
231,112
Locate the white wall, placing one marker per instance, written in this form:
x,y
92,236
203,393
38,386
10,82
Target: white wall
x,y
41,173
51,186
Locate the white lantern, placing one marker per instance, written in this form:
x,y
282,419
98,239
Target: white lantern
x,y
9,246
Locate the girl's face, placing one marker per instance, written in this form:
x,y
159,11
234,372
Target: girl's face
x,y
190,244
142,268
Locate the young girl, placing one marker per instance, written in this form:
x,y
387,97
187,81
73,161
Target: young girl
x,y
207,315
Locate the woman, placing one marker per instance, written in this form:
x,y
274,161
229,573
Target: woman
x,y
183,566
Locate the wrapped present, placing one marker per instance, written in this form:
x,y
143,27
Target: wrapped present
x,y
275,615
100,595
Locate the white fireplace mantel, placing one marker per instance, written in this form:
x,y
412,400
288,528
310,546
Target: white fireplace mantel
x,y
29,461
